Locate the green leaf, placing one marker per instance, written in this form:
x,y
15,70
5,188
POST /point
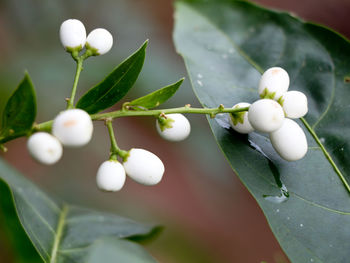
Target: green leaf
x,y
117,250
115,86
157,97
226,46
58,231
20,111
22,248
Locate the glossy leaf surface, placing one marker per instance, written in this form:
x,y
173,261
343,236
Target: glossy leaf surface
x,y
115,86
157,97
58,231
117,250
226,46
20,111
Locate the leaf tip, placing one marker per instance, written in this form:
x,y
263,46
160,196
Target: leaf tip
x,y
145,44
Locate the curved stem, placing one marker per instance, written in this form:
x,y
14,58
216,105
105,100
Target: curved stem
x,y
325,152
79,60
115,150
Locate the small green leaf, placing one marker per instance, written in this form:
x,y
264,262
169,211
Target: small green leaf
x,y
115,86
20,111
157,97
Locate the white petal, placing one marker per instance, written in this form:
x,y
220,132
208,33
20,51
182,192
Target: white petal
x,y
266,115
101,40
180,129
44,148
244,127
72,33
289,141
144,167
276,80
295,104
73,127
111,176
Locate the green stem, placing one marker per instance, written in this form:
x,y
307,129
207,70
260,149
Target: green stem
x,y
115,150
79,60
122,113
325,152
46,126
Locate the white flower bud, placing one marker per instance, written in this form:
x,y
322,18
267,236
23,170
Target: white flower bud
x,y
266,115
73,127
101,40
72,34
289,141
273,83
44,148
294,104
179,131
236,119
111,176
144,167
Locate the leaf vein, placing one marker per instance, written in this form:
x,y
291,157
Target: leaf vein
x,y
59,233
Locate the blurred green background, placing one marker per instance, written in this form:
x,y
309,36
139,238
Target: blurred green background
x,y
208,215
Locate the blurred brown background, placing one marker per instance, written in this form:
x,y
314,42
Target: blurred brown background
x,y
208,215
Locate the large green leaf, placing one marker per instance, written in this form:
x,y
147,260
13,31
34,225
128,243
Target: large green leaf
x,y
226,46
157,97
114,250
58,231
20,111
115,86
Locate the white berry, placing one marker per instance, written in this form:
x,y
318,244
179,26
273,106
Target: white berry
x,y
144,167
294,104
179,131
266,115
73,127
73,34
101,40
274,83
289,141
111,176
235,120
44,148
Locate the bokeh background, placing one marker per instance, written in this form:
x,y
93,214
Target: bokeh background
x,y
208,215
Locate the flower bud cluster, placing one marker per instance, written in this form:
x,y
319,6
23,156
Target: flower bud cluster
x,y
273,114
73,38
140,165
71,128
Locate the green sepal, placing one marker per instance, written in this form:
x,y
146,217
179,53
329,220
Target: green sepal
x,y
20,111
237,117
280,100
74,51
165,123
267,95
93,51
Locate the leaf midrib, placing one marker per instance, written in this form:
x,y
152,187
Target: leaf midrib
x,y
59,232
116,83
306,124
